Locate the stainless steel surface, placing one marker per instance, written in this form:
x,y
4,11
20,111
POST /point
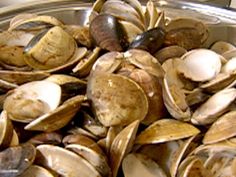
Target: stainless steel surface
x,y
222,22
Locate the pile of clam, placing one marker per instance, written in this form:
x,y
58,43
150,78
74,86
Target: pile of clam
x,y
132,93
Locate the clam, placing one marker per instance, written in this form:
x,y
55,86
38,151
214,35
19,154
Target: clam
x,y
36,171
84,66
135,165
122,145
150,40
46,138
221,47
196,97
111,134
6,130
229,54
107,32
187,33
170,52
230,66
15,139
30,100
110,107
175,101
57,118
15,160
221,129
21,77
165,130
123,11
52,49
200,65
151,15
70,164
12,45
35,23
98,160
77,130
215,106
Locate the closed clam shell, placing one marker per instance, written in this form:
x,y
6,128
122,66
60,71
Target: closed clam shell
x,y
221,47
215,106
122,145
30,100
58,117
64,162
166,130
112,109
221,129
36,171
6,130
50,49
200,65
98,160
15,160
136,164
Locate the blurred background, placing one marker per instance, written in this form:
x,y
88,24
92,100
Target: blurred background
x,y
222,3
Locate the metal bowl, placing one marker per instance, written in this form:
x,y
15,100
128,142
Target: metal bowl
x,y
221,21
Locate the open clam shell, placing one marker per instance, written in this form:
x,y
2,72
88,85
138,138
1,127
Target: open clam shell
x,y
64,162
30,100
166,130
116,111
122,145
57,118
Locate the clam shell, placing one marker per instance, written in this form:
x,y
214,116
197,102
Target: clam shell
x,y
6,130
15,160
94,158
36,171
200,65
229,54
135,165
221,129
20,18
64,162
196,97
230,66
57,118
116,111
151,15
221,47
215,106
15,139
166,130
46,138
122,145
30,100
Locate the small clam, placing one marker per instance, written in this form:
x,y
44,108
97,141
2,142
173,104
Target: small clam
x,y
30,100
200,65
122,145
166,130
57,118
70,164
15,160
6,130
221,129
107,32
187,33
108,99
36,171
150,40
215,106
221,47
169,52
135,165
